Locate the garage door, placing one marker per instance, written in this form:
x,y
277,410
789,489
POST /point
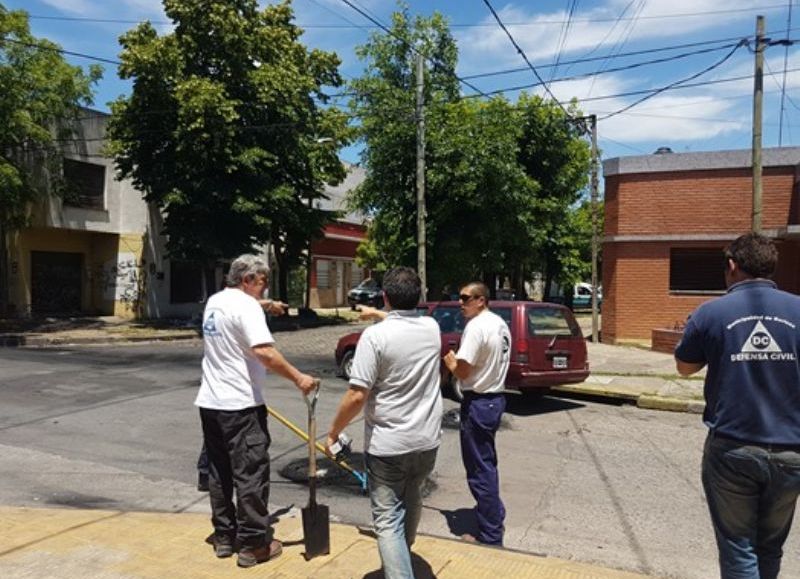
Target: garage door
x,y
56,282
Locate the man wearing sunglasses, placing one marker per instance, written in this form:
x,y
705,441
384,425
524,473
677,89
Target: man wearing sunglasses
x,y
480,366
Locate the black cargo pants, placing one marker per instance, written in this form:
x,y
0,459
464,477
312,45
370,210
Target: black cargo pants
x,y
238,444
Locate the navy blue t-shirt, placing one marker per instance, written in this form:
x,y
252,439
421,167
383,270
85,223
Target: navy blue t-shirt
x,y
750,339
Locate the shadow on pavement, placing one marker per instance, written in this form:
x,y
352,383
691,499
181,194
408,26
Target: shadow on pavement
x,y
532,406
422,569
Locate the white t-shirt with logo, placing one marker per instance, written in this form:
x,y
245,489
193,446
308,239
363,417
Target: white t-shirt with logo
x,y
397,360
233,378
486,346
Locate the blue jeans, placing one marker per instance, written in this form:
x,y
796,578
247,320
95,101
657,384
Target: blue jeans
x,y
751,492
480,419
395,494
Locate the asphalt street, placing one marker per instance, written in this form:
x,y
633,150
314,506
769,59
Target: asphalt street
x,y
114,427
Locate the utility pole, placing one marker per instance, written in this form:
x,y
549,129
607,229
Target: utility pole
x,y
421,258
595,235
758,102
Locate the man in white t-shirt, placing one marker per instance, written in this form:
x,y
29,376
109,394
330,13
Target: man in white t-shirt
x,y
480,366
395,378
238,347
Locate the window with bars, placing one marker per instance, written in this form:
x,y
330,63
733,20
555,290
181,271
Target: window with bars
x,y
323,274
356,275
85,184
696,270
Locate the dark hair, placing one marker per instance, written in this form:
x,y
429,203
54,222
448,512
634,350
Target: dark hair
x,y
754,253
402,287
478,289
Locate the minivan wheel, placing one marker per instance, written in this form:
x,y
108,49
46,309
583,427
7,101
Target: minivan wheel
x,y
346,365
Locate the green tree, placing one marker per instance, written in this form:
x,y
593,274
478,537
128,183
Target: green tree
x,y
554,153
224,132
39,94
500,177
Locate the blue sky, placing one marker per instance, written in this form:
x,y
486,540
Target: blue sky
x,y
714,114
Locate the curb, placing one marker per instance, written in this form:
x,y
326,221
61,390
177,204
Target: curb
x,y
670,404
20,340
645,401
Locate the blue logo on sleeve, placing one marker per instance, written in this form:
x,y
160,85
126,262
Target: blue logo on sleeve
x,y
210,325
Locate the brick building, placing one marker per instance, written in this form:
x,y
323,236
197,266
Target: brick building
x,y
333,267
667,218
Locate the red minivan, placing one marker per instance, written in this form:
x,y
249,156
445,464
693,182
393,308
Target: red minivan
x,y
547,346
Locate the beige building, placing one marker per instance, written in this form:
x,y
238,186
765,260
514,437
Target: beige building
x,y
98,250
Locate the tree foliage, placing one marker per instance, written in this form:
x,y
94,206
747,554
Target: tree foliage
x,y
502,179
39,94
222,130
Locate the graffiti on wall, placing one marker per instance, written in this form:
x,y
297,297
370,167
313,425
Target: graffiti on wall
x,y
122,280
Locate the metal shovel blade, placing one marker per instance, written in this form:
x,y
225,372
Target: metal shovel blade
x,y
316,524
316,530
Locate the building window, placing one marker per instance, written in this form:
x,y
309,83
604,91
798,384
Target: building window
x,y
323,274
85,184
696,270
186,282
356,275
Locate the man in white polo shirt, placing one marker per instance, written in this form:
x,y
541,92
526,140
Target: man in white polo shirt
x,y
480,366
395,375
238,347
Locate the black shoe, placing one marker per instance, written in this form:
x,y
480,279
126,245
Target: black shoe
x,y
224,546
202,483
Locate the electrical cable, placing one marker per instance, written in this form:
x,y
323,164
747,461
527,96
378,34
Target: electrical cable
x,y
679,82
524,57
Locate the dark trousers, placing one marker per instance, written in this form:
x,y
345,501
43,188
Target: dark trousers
x,y
237,443
480,419
751,491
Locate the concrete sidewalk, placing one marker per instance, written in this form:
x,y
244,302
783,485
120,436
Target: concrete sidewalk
x,y
88,544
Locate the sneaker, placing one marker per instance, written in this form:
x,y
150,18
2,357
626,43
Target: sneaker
x,y
249,557
223,546
202,483
467,537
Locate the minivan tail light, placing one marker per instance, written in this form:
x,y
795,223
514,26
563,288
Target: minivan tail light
x,y
521,354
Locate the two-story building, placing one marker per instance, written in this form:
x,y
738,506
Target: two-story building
x,y
99,248
668,218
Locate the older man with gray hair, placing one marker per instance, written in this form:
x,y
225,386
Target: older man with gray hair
x,y
238,347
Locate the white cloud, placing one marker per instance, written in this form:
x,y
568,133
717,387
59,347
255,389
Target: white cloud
x,y
670,119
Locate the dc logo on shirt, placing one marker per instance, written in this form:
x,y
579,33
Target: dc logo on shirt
x,y
760,340
761,346
210,325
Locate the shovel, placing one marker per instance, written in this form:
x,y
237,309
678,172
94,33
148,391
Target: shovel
x,y
316,523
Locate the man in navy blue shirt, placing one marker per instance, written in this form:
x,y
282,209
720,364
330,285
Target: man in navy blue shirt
x,y
750,340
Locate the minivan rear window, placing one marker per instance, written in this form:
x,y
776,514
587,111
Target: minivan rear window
x,y
549,322
449,318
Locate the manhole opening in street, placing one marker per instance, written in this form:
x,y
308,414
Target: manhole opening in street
x,y
336,478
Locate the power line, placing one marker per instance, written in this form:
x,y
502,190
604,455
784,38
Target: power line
x,y
453,25
524,56
383,27
57,49
676,83
596,58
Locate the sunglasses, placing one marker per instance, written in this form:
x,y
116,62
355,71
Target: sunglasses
x,y
466,297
